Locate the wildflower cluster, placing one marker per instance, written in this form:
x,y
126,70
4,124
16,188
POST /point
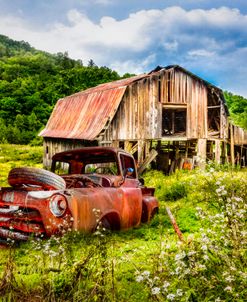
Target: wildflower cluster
x,y
211,262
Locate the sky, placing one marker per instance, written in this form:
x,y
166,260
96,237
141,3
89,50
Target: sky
x,y
208,38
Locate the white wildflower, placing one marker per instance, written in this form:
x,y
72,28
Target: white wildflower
x,y
228,288
155,290
146,274
230,279
180,256
139,278
191,253
170,297
166,284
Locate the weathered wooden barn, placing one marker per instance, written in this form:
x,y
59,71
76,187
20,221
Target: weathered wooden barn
x,y
170,110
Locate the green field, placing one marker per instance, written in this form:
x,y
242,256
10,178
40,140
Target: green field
x,y
148,263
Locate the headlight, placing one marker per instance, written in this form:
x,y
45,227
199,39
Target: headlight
x,y
58,205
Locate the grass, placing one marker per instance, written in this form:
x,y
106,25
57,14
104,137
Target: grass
x,y
138,264
12,156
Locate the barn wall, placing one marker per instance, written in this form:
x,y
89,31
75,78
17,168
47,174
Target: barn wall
x,y
140,113
239,136
179,88
53,146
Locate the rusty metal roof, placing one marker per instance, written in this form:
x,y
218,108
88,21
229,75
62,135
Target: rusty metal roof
x,y
83,115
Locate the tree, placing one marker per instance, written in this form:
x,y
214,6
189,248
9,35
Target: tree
x,y
238,108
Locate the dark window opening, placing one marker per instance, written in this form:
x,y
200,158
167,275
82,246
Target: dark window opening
x,y
173,122
214,111
214,120
127,162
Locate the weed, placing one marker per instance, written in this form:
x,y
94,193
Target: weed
x,y
145,263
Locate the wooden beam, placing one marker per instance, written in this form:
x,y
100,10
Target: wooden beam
x,y
232,144
201,151
134,148
174,106
212,107
127,146
173,138
174,224
217,151
140,148
147,161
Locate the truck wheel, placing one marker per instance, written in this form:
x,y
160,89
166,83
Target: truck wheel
x,y
36,177
154,212
110,222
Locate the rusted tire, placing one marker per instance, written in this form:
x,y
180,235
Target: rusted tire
x,y
36,177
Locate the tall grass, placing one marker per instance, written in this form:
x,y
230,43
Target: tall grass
x,y
148,263
12,156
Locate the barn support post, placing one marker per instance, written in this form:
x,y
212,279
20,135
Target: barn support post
x,y
224,152
186,149
201,151
232,145
140,151
217,151
127,146
147,148
115,144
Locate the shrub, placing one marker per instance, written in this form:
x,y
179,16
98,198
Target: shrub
x,y
176,191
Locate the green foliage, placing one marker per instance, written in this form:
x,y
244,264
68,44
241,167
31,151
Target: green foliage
x,y
143,264
238,108
32,81
176,191
12,156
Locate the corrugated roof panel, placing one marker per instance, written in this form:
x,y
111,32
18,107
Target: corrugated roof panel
x,y
83,115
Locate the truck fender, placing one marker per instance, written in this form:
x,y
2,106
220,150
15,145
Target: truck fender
x,y
150,207
110,221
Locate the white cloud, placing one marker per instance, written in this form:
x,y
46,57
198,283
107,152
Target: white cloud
x,y
171,45
133,66
103,2
134,44
201,53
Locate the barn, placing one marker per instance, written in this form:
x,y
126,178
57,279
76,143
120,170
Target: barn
x,y
169,117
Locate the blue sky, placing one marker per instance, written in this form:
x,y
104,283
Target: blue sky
x,y
208,38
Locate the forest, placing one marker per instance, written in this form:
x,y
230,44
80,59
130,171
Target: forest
x,y
31,82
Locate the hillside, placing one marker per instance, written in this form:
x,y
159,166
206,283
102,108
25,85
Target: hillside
x,y
9,47
31,81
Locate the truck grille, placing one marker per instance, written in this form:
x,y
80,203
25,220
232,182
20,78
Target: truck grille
x,y
19,223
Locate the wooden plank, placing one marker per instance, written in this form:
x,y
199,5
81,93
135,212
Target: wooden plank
x,y
232,144
174,224
140,149
127,146
174,106
217,151
201,151
217,106
147,161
